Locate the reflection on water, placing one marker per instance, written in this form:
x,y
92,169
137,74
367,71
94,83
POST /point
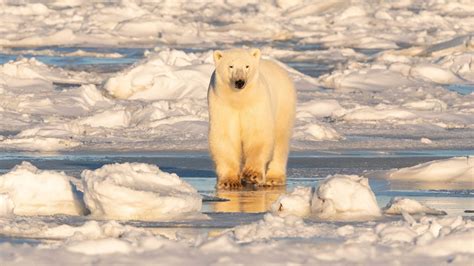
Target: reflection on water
x,y
453,206
407,185
254,200
304,169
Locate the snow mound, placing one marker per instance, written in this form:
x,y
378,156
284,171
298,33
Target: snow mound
x,y
459,169
399,205
40,228
137,191
318,132
272,226
164,75
434,73
379,113
38,143
352,12
427,105
25,68
6,205
132,241
29,9
26,190
450,245
296,202
108,119
223,243
426,141
101,246
428,232
30,68
320,108
374,80
344,197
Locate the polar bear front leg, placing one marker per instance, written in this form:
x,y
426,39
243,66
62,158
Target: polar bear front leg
x,y
226,150
257,147
276,173
227,161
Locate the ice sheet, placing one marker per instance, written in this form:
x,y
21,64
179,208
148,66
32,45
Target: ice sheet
x,y
132,76
357,91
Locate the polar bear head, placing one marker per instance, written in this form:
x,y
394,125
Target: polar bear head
x,y
237,68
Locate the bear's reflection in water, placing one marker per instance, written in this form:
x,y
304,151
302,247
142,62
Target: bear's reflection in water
x,y
248,200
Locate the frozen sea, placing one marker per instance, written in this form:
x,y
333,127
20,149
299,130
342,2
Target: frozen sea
x,y
304,169
385,92
227,210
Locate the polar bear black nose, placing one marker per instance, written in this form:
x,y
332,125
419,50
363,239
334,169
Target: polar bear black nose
x,y
239,84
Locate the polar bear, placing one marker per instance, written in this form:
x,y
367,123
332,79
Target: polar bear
x,y
251,113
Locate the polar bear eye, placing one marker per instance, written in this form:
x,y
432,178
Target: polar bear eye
x,y
247,66
231,66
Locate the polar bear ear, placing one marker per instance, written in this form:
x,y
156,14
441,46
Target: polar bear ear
x,y
255,53
217,56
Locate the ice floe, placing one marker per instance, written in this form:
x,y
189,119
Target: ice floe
x,y
136,191
383,75
27,190
346,197
317,132
24,68
297,202
160,101
272,226
399,205
456,169
271,240
164,75
338,197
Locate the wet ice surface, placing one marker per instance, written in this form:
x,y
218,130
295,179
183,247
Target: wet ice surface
x,y
304,169
238,216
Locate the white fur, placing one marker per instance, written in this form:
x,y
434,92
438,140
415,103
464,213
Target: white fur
x,y
250,128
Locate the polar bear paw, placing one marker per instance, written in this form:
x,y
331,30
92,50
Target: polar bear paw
x,y
274,181
229,183
250,176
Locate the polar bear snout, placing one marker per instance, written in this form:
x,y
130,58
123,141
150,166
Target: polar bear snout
x,y
239,84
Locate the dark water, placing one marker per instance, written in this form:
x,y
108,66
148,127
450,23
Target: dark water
x,y
227,209
60,58
129,56
463,89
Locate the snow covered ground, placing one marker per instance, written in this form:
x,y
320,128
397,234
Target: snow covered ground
x,y
272,240
98,87
369,75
